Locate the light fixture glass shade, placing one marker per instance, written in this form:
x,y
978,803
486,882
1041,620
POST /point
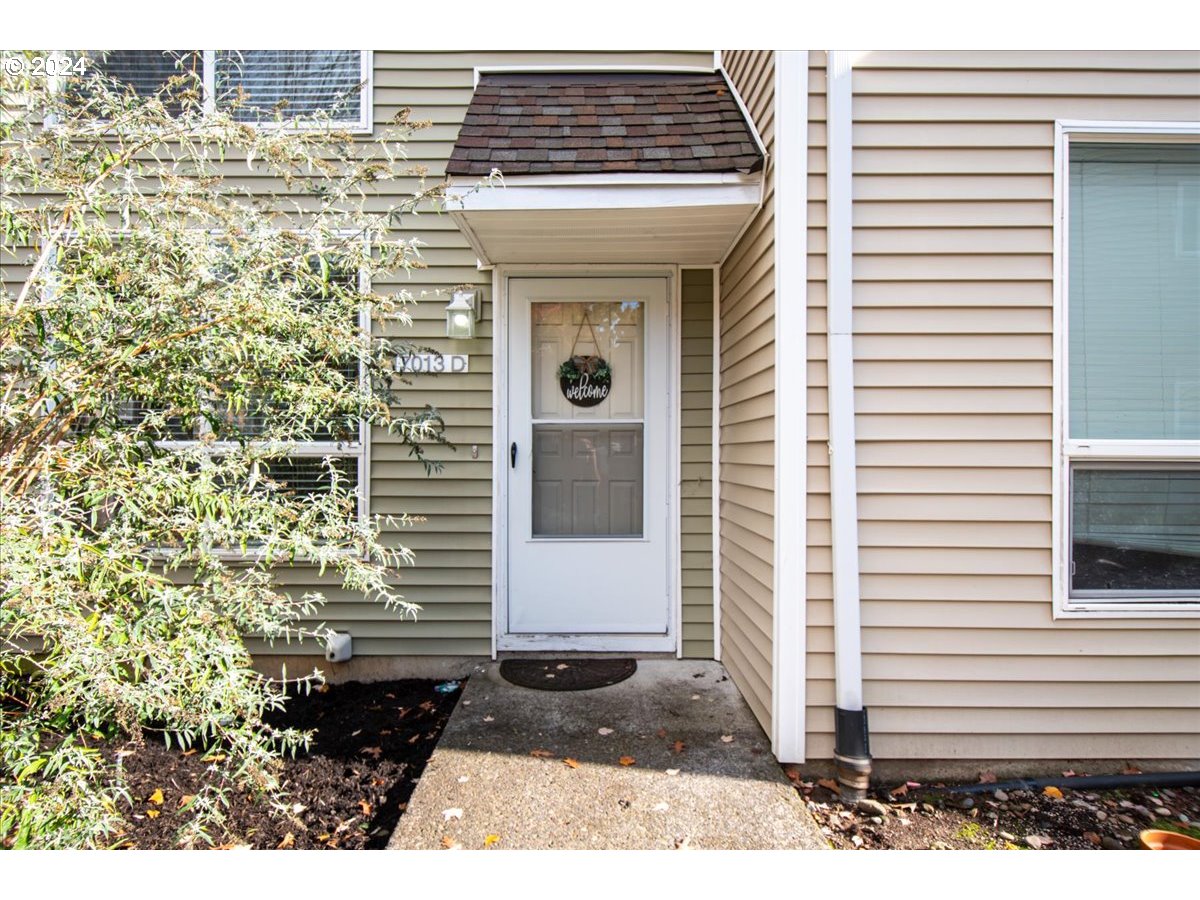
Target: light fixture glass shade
x,y
460,315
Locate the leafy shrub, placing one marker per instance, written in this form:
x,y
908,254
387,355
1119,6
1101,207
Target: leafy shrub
x,y
173,339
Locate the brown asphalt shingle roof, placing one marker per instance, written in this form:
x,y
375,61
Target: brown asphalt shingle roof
x,y
531,124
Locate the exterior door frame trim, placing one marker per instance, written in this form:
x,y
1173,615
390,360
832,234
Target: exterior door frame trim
x,y
501,639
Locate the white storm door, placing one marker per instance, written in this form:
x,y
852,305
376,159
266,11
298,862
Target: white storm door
x,y
588,504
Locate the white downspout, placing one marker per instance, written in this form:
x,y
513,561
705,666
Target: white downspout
x,y
852,747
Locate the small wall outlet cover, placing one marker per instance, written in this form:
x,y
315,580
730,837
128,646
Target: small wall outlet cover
x,y
340,647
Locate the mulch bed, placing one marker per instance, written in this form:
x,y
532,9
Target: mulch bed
x,y
348,791
915,818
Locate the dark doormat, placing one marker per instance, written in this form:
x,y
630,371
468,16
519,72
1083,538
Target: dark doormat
x,y
566,674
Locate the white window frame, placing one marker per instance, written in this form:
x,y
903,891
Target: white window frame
x,y
364,124
1121,453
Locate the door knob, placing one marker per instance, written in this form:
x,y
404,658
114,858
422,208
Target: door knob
x,y
512,454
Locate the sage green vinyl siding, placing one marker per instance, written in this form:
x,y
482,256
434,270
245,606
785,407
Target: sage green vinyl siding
x,y
696,463
747,423
452,575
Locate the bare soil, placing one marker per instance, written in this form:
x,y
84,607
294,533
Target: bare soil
x,y
348,791
914,817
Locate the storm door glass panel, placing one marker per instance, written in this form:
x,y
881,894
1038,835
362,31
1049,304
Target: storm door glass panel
x,y
588,395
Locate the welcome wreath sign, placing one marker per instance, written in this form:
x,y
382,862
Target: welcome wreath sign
x,y
585,380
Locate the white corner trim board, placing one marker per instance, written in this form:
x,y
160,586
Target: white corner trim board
x,y
791,386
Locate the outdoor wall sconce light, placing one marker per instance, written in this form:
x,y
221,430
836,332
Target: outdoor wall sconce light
x,y
462,312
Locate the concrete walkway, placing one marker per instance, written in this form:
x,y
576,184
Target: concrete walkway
x,y
721,790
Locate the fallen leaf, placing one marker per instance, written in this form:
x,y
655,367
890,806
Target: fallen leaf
x,y
428,706
679,746
191,752
1053,792
1131,770
604,732
491,840
373,752
727,739
1092,838
830,785
448,814
414,738
449,843
987,777
573,763
152,813
298,808
627,760
541,754
322,689
289,841
672,771
215,758
900,791
792,772
662,732
1068,774
186,799
365,807
157,797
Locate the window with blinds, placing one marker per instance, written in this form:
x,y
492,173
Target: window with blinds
x,y
339,444
290,83
149,72
1132,441
261,87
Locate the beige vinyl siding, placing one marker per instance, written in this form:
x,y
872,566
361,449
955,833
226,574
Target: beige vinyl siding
x,y
953,268
819,611
695,489
747,418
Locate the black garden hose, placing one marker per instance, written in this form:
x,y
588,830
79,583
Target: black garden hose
x,y
1080,782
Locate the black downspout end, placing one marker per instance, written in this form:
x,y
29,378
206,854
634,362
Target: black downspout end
x,y
852,752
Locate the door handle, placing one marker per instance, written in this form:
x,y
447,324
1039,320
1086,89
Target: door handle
x,y
512,454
